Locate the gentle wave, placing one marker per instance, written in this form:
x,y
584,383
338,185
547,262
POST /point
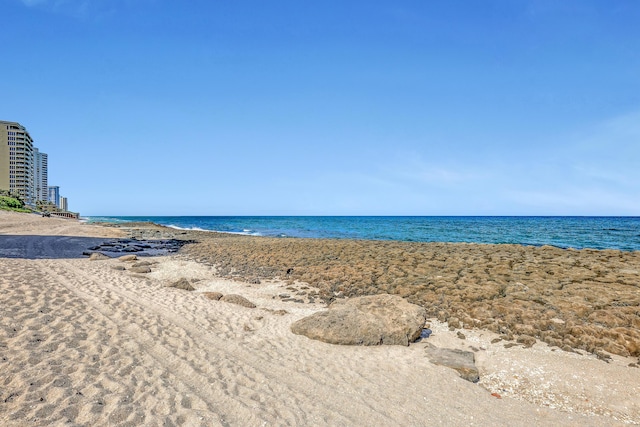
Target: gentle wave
x,y
175,227
243,232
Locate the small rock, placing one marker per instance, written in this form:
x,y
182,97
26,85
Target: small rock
x,y
601,355
461,335
215,296
141,270
527,340
238,299
180,284
142,264
454,323
97,256
462,361
127,258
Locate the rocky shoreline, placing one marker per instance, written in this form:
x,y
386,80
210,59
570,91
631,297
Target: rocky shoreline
x,y
570,299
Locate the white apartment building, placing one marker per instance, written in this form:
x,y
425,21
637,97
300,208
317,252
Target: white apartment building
x,y
24,170
40,176
17,161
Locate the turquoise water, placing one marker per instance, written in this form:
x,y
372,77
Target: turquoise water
x,y
565,232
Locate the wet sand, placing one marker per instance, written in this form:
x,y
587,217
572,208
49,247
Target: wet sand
x,y
90,343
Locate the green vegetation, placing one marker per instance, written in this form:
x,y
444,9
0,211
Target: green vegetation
x,y
12,204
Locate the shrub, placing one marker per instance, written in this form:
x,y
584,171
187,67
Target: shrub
x,y
10,203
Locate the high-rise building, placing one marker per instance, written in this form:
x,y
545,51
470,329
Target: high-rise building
x,y
16,161
40,176
24,169
54,195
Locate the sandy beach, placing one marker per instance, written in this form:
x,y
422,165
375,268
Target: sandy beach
x,y
98,343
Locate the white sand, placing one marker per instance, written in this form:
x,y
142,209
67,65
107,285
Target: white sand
x,y
84,344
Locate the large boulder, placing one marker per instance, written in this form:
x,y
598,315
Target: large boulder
x,y
368,320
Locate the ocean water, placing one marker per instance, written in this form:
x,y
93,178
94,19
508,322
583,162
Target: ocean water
x,y
565,232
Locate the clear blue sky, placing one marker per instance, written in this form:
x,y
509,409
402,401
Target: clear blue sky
x,y
203,107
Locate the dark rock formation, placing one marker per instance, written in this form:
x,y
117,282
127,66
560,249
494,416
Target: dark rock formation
x,y
142,247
